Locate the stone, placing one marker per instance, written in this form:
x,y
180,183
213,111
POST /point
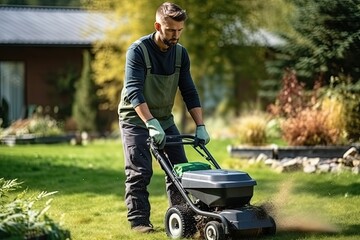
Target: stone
x,y
311,161
324,168
309,169
356,163
261,157
292,165
269,162
352,152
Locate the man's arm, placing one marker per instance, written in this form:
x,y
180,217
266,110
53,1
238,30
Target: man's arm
x,y
143,111
196,114
155,130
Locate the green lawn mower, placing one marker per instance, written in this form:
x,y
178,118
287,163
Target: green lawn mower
x,y
217,201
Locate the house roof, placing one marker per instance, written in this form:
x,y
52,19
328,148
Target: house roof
x,y
74,27
50,26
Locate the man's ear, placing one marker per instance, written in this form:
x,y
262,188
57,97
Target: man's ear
x,y
157,26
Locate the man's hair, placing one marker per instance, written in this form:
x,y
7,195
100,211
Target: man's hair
x,y
171,10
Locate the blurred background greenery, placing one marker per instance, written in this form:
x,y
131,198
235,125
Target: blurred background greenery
x,y
289,64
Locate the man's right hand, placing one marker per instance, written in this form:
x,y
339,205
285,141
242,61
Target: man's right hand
x,y
156,132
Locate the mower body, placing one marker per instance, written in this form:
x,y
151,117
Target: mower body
x,y
230,192
217,200
219,188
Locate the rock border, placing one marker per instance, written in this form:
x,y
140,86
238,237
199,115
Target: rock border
x,y
318,159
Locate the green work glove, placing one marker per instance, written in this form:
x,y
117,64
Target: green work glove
x,y
156,132
202,134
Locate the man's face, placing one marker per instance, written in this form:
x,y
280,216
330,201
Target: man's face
x,y
169,31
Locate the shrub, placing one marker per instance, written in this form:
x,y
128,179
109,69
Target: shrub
x,y
309,127
40,126
291,98
336,117
85,104
325,115
273,129
347,92
19,219
251,129
44,126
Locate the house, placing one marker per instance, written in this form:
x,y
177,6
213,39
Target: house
x,y
37,44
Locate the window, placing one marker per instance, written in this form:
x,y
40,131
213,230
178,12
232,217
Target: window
x,y
12,90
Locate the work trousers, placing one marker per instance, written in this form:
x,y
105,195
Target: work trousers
x,y
138,170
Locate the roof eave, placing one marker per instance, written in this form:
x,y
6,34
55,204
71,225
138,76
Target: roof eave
x,y
74,45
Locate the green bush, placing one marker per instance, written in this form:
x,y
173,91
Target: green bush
x,y
44,126
20,220
85,104
37,125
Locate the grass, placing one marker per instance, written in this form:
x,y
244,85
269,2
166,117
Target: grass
x,y
90,201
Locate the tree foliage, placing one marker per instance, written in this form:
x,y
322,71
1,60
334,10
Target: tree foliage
x,y
324,45
85,104
215,35
325,40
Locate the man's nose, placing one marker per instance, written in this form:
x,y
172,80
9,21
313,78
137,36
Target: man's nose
x,y
176,34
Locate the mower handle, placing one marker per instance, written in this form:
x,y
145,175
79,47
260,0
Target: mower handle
x,y
182,139
166,165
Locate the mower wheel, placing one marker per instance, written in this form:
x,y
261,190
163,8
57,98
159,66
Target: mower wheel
x,y
270,231
180,222
214,231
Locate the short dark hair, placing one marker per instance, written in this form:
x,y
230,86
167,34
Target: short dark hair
x,y
171,10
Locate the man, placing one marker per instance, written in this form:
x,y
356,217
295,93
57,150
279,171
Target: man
x,y
156,66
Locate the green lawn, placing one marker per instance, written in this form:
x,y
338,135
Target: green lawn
x,y
90,184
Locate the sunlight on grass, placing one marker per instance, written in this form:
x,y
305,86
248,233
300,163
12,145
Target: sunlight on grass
x,y
90,184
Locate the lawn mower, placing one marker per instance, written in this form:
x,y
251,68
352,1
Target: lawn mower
x,y
216,201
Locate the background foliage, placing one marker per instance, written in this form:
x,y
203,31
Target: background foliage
x,y
225,56
85,100
240,50
324,40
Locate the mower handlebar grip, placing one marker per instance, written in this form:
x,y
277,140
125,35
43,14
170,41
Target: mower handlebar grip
x,y
183,139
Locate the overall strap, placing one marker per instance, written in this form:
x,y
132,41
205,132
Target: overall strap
x,y
147,59
178,58
146,56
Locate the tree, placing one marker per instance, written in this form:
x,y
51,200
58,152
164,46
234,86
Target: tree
x,y
131,20
85,100
216,35
325,45
325,40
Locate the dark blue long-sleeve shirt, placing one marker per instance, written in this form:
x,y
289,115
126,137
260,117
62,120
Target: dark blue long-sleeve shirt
x,y
162,63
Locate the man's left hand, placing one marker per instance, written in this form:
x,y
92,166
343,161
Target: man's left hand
x,y
202,134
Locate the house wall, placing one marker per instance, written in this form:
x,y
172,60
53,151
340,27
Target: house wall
x,y
40,65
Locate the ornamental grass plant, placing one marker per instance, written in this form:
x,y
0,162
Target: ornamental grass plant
x,y
22,218
251,129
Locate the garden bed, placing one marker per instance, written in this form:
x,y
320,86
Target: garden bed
x,y
308,159
33,139
276,152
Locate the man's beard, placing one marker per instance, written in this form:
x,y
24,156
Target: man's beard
x,y
170,44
